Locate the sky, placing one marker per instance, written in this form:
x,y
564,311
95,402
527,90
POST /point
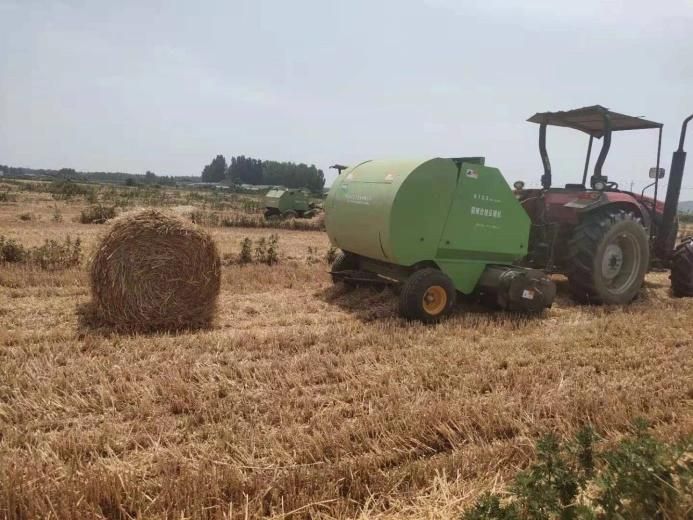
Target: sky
x,y
166,85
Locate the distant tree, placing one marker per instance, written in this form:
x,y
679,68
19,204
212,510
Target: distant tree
x,y
245,170
293,175
67,173
130,182
215,171
150,177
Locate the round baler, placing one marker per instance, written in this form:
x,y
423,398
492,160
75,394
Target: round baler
x,y
434,227
288,203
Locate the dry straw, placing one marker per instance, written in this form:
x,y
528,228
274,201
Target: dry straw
x,y
155,272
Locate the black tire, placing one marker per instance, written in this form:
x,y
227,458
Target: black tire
x,y
271,213
416,290
289,214
682,269
609,255
344,262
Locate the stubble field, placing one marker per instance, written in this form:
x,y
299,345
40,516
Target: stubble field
x,y
304,399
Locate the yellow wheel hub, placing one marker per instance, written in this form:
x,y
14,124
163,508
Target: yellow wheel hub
x,y
434,300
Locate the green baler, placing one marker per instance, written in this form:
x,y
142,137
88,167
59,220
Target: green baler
x,y
288,203
436,227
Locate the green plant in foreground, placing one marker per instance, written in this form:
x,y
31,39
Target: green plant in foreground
x,y
57,215
11,251
67,189
52,255
272,256
331,255
97,214
6,196
246,254
266,251
261,250
640,478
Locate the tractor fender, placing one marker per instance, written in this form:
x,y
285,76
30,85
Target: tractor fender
x,y
618,201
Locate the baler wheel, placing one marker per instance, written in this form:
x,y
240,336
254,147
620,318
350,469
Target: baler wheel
x,y
289,214
344,262
427,295
609,256
682,269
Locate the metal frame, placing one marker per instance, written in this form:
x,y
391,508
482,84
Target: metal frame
x,y
603,153
678,162
546,178
587,160
606,146
656,182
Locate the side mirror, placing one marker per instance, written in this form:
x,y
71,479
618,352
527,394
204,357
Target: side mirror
x,y
657,173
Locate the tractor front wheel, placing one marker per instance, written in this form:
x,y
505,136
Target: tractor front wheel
x,y
609,256
682,269
427,295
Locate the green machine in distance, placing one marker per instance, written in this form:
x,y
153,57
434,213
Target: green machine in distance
x,y
434,227
289,203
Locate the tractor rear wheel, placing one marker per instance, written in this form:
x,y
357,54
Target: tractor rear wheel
x,y
344,262
608,257
427,295
682,269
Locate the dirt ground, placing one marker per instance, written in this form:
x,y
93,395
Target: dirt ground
x,y
305,399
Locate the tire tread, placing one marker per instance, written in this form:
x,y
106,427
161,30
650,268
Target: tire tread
x,y
583,247
682,269
415,286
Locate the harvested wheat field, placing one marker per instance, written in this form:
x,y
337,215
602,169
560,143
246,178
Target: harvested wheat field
x,y
305,400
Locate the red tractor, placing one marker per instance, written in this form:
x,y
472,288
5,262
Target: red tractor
x,y
602,238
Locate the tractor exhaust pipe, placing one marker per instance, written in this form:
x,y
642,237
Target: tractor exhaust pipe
x,y
671,203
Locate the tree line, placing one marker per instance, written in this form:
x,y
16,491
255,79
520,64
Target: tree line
x,y
247,170
240,170
131,179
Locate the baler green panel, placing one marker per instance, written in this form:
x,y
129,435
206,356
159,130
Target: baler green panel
x,y
358,205
285,200
273,199
419,211
300,201
464,273
486,223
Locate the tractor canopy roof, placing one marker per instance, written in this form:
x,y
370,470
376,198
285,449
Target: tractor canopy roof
x,y
592,120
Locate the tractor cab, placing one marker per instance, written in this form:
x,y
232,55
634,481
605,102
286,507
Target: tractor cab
x,y
597,122
565,206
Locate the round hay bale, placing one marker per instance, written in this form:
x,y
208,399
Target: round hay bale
x,y
155,272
